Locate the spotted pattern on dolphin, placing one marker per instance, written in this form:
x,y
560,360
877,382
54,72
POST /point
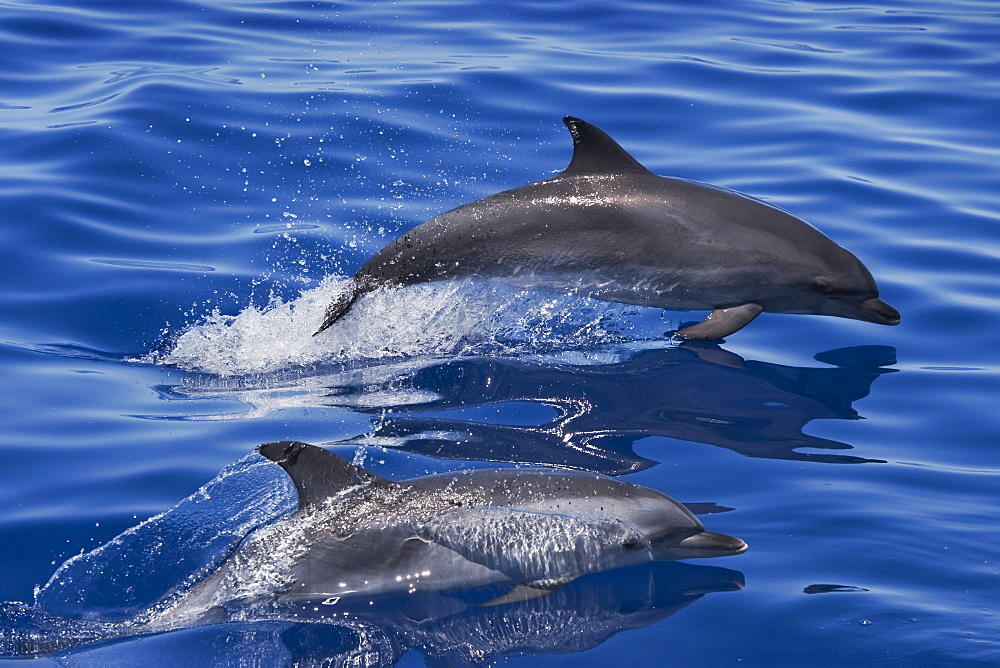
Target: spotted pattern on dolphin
x,y
356,533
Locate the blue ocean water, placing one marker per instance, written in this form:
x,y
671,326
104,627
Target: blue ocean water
x,y
184,186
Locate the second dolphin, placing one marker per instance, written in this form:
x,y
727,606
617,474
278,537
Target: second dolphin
x,y
356,533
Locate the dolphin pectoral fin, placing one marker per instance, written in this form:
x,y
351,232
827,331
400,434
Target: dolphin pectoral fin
x,y
722,322
528,591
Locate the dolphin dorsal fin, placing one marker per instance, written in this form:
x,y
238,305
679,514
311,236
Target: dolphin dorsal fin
x,y
317,473
594,152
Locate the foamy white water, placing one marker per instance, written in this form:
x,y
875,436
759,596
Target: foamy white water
x,y
453,318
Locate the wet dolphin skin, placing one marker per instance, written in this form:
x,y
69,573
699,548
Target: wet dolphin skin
x,y
609,228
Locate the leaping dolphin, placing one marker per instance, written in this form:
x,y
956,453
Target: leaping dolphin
x,y
609,228
356,533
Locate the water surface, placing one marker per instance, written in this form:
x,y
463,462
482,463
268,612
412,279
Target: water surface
x,y
185,184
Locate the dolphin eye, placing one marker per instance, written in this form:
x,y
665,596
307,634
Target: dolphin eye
x,y
632,544
822,286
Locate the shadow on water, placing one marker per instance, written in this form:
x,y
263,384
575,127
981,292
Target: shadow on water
x,y
695,392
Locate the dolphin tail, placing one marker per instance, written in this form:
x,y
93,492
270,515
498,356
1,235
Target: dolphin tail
x,y
341,306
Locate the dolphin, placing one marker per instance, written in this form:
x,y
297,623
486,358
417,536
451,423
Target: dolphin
x,y
609,228
358,534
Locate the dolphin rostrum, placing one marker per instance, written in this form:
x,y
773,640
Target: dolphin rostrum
x,y
356,533
609,228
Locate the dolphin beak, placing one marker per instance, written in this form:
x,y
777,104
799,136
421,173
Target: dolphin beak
x,y
708,544
880,312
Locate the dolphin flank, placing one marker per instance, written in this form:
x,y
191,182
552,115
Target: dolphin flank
x,y
356,533
609,228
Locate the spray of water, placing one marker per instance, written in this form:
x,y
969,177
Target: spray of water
x,y
454,318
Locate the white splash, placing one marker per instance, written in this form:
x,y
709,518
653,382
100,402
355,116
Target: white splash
x,y
451,318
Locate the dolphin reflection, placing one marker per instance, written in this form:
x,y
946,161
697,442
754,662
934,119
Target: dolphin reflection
x,y
696,392
447,629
